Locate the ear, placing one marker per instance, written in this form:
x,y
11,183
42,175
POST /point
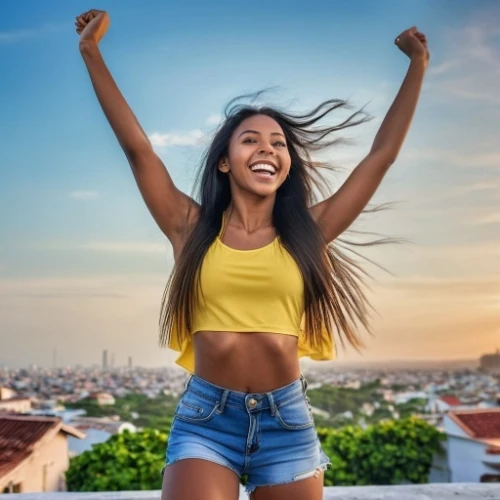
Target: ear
x,y
223,165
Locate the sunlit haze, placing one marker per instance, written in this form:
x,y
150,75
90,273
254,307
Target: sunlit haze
x,y
82,263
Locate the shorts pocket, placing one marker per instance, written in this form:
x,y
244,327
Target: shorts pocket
x,y
193,408
295,414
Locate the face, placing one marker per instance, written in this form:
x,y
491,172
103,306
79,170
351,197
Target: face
x,y
258,159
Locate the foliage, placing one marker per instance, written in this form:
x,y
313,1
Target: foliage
x,y
127,461
153,412
390,452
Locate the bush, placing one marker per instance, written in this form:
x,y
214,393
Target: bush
x,y
390,452
127,461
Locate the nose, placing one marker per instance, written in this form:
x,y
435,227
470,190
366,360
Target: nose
x,y
267,148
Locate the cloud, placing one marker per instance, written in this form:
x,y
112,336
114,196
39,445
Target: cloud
x,y
470,287
475,159
444,67
68,294
83,195
123,247
474,188
214,120
23,34
191,138
487,218
470,67
125,286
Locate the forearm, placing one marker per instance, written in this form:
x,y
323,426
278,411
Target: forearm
x,y
127,129
394,127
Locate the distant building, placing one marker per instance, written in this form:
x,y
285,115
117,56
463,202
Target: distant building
x,y
103,398
405,397
9,402
490,362
443,404
6,393
96,430
15,405
105,359
473,445
33,453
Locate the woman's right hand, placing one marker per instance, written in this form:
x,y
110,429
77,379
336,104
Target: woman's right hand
x,y
92,26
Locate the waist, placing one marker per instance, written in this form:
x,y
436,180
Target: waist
x,y
229,359
252,400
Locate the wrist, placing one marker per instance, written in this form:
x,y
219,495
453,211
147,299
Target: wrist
x,y
420,60
88,47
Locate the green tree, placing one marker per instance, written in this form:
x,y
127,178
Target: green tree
x,y
127,461
390,452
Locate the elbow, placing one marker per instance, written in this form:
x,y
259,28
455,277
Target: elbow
x,y
135,151
384,158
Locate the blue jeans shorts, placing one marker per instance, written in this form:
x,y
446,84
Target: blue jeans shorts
x,y
269,437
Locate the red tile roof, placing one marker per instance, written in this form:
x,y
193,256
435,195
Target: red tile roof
x,y
479,423
451,400
19,434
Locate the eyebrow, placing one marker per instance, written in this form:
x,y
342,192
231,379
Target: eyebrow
x,y
257,132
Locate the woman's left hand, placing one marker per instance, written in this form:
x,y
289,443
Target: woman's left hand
x,y
413,43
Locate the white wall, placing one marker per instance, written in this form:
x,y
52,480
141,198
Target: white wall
x,y
465,458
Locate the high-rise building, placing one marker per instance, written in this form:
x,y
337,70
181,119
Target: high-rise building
x,y
130,362
490,362
105,359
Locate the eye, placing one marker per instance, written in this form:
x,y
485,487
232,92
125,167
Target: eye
x,y
280,143
249,139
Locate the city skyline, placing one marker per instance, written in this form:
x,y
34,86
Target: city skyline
x,y
82,263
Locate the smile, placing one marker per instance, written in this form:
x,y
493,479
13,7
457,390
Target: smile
x,y
263,169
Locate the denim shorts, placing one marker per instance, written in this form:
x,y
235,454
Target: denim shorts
x,y
269,437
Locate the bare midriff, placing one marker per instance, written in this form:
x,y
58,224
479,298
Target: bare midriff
x,y
246,362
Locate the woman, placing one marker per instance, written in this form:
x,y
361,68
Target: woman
x,y
256,284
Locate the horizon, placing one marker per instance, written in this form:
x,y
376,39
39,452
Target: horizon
x,y
82,263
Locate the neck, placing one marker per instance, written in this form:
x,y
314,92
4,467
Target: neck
x,y
250,215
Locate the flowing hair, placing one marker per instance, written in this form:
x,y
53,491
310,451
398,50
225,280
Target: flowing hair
x,y
333,281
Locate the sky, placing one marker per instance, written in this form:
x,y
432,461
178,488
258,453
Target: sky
x,y
82,263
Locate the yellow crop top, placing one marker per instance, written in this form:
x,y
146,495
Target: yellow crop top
x,y
246,291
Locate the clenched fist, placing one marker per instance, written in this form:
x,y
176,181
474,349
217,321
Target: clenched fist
x,y
92,26
413,43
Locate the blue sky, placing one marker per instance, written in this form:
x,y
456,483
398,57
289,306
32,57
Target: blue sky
x,y
82,263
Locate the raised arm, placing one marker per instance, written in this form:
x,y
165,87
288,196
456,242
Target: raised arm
x,y
335,214
168,205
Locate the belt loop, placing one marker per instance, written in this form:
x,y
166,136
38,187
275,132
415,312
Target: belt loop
x,y
222,405
271,403
304,383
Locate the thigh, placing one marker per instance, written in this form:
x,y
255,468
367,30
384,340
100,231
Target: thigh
x,y
196,479
304,489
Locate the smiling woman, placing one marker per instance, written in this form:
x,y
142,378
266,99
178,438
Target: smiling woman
x,y
261,278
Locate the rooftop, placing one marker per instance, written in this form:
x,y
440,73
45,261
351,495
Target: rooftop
x,y
19,435
479,423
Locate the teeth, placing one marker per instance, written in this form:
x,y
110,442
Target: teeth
x,y
263,166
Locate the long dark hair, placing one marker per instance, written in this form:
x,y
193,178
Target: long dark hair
x,y
333,281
